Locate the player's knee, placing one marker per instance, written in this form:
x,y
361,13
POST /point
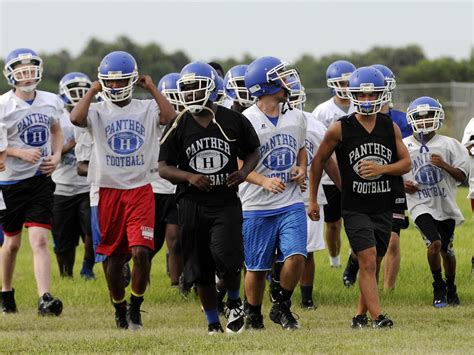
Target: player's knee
x,y
140,255
435,247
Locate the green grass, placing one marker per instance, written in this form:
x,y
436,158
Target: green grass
x,y
175,325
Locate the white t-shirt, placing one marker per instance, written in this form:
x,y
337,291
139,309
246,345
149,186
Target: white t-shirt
x,y
314,136
327,113
437,188
279,147
124,151
28,127
3,137
467,141
83,150
68,182
160,185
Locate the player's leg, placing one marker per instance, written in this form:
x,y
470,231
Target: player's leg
x,y
9,251
392,262
429,231
332,218
84,211
446,231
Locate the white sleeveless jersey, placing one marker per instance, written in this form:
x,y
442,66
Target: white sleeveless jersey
x,y
437,189
124,151
158,184
467,140
68,183
28,127
327,113
279,148
314,136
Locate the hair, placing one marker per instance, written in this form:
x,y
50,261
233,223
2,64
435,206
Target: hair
x,y
218,68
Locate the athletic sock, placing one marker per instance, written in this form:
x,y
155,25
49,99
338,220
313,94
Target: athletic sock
x,y
306,293
212,316
254,309
450,280
233,295
335,261
437,276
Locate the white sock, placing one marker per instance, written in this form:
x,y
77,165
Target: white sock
x,y
335,261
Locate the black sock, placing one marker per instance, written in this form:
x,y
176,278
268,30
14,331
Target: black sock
x,y
306,293
276,272
437,276
136,301
450,280
254,309
282,295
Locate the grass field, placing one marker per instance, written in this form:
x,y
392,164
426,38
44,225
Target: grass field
x,y
175,325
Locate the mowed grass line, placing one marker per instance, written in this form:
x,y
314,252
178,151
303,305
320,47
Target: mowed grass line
x,y
173,324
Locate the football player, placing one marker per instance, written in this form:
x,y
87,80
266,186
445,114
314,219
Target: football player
x,y
34,150
439,164
124,132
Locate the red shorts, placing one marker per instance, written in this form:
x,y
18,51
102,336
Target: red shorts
x,y
126,219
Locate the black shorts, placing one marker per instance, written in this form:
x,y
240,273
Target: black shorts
x,y
29,202
71,220
166,212
400,221
368,230
433,230
211,241
332,211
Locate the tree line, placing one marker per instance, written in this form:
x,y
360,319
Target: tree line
x,y
408,63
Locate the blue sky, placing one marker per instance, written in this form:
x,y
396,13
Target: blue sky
x,y
207,30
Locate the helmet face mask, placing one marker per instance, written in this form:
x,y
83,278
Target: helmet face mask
x,y
121,68
23,65
425,115
73,87
369,82
167,86
196,86
235,88
390,81
298,97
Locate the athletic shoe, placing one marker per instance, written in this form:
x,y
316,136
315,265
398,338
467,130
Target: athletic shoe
x,y
121,315
439,294
382,322
214,328
49,306
220,301
127,274
235,316
452,296
280,313
134,316
8,302
254,321
308,305
272,289
349,276
360,321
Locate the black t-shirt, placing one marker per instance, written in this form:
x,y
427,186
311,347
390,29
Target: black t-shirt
x,y
373,195
205,150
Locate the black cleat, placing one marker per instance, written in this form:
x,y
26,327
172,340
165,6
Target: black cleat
x,y
349,276
214,328
235,316
382,322
308,305
8,302
360,321
121,315
452,296
280,313
439,294
254,321
49,306
133,313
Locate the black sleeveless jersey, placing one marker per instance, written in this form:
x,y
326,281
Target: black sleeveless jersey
x,y
366,195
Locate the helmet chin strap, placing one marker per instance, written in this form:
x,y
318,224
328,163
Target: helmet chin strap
x,y
27,89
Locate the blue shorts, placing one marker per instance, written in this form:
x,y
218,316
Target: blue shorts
x,y
271,238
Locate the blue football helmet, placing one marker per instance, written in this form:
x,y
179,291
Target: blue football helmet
x,y
234,83
337,77
425,115
269,75
367,80
33,71
389,80
168,87
197,86
118,65
297,100
73,86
